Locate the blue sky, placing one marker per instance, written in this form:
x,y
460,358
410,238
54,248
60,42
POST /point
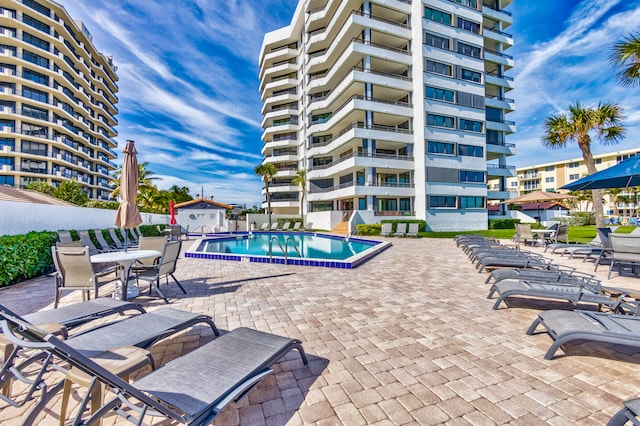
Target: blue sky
x,y
189,79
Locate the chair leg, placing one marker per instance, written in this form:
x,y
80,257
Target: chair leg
x,y
177,282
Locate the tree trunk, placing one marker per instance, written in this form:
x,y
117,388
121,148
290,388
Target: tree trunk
x,y
266,189
584,141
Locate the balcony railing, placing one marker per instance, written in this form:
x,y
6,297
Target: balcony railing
x,y
363,98
499,120
495,74
499,98
497,32
394,213
498,53
361,155
509,145
317,190
360,125
387,21
498,166
497,9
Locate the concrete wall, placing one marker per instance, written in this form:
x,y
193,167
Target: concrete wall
x,y
324,220
20,218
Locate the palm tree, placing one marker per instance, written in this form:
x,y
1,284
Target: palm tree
x,y
576,125
301,180
626,55
267,171
145,179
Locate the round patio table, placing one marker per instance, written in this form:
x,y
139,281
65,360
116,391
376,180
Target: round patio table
x,y
126,259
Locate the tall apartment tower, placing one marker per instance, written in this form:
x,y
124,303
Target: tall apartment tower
x,y
395,109
57,100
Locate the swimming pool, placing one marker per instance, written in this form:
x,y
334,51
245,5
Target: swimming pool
x,y
311,249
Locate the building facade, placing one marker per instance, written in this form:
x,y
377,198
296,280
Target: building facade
x,y
393,108
57,100
551,176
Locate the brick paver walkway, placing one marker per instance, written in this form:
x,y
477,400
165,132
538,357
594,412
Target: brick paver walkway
x,y
407,338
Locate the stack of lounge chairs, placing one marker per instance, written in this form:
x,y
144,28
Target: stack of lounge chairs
x,y
191,389
518,273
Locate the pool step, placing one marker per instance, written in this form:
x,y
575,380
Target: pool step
x,y
341,229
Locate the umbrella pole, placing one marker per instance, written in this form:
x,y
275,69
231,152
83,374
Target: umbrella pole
x,y
126,239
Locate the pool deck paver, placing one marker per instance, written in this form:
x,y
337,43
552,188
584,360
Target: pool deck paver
x,y
406,338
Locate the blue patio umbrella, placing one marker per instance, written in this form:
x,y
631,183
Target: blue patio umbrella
x,y
623,175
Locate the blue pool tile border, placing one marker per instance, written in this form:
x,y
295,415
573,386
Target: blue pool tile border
x,y
378,248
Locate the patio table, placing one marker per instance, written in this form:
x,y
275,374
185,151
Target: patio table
x,y
126,259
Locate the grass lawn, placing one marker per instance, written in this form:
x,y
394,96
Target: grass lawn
x,y
580,234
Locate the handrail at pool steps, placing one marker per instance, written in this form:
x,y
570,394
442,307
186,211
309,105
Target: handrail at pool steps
x,y
284,249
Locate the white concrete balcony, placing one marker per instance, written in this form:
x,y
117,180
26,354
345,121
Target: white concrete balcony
x,y
497,36
500,102
495,170
351,189
360,161
277,85
268,147
283,187
502,81
278,55
495,150
502,125
276,100
498,195
286,128
360,131
273,115
274,159
499,58
499,15
274,72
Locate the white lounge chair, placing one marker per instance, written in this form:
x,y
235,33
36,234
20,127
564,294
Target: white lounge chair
x,y
413,230
401,230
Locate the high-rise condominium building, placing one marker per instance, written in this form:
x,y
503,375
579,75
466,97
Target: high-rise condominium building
x,y
393,108
57,100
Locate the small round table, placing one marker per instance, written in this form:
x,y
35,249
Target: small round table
x,y
126,259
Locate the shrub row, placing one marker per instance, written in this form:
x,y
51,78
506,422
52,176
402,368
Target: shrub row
x,y
28,255
25,256
503,223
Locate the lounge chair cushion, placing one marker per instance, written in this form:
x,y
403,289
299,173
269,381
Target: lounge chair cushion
x,y
215,369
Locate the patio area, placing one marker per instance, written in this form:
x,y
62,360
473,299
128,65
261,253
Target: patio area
x,y
406,338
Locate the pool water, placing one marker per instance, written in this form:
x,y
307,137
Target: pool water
x,y
310,249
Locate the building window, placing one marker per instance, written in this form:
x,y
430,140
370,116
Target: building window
x,y
469,50
469,3
437,16
467,25
440,121
35,41
574,176
469,176
472,202
436,41
550,179
34,112
443,148
7,180
36,95
549,168
598,160
442,202
469,75
574,164
37,7
35,59
470,151
33,22
35,76
440,94
470,125
438,68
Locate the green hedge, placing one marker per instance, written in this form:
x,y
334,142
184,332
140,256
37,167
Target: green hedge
x,y
503,223
368,229
25,256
